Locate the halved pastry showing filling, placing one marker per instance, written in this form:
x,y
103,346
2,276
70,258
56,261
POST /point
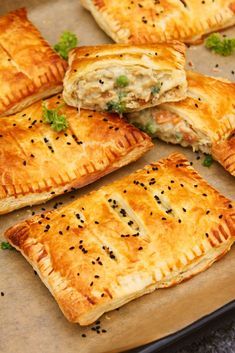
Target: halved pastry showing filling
x,y
205,120
123,78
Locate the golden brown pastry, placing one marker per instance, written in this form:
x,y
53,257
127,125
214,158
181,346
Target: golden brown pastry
x,y
146,21
123,78
205,120
29,68
224,152
38,163
152,229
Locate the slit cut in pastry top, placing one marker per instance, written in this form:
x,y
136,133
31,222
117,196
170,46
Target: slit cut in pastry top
x,y
127,21
103,263
38,163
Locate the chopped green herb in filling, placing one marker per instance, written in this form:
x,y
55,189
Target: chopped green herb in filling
x,y
6,246
116,107
220,45
67,42
150,129
122,81
156,89
207,161
51,116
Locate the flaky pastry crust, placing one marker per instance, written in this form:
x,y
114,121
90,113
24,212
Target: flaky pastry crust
x,y
29,69
38,163
152,229
164,62
209,111
146,21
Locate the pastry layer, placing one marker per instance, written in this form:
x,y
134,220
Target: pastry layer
x,y
29,69
38,163
152,229
205,120
124,78
127,21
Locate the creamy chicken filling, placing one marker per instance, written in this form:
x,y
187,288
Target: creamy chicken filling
x,y
120,89
170,127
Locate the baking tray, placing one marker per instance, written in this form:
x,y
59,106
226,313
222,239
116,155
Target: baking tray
x,y
30,319
168,341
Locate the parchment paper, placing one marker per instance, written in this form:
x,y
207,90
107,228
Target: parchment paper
x,y
30,320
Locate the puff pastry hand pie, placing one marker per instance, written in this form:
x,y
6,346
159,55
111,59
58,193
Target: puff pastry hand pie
x,y
38,163
29,68
122,78
204,120
152,229
146,21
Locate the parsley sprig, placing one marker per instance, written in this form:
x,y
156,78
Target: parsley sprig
x,y
67,42
220,45
57,121
6,246
208,160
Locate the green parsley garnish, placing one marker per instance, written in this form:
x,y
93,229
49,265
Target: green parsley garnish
x,y
67,42
156,89
208,160
116,107
6,246
52,116
220,45
122,81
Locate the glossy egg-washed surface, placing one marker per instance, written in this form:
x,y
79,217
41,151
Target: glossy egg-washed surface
x,y
42,163
142,320
161,20
152,229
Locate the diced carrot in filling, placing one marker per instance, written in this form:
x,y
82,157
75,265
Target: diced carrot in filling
x,y
189,137
163,116
232,6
